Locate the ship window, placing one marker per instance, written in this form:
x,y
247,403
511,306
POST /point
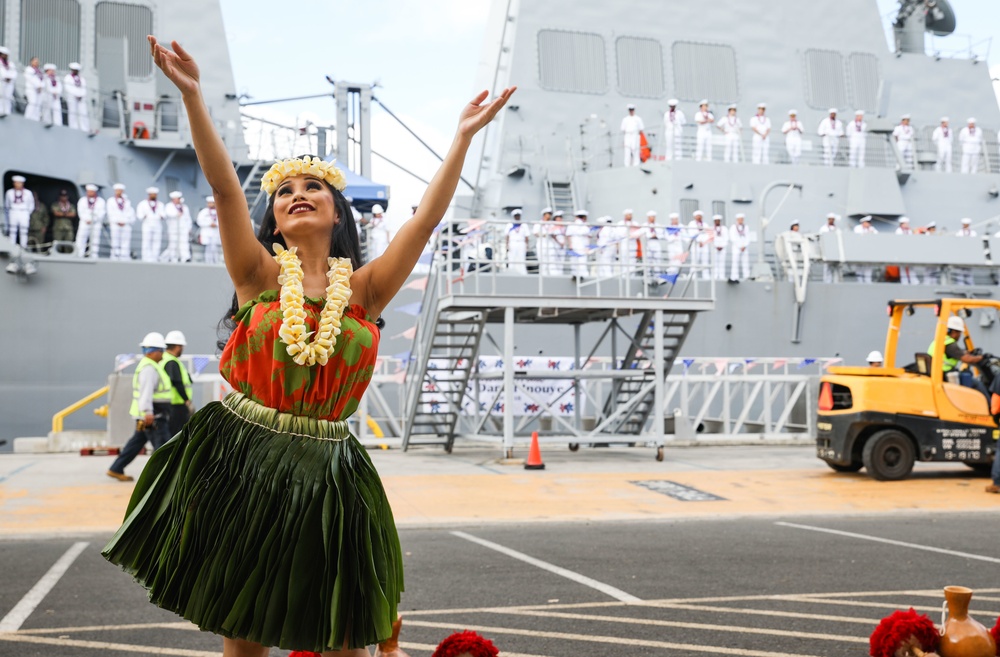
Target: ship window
x,y
128,24
572,61
825,85
686,208
50,30
719,208
705,70
640,67
865,79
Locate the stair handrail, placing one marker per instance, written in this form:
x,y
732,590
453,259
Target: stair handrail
x,y
416,363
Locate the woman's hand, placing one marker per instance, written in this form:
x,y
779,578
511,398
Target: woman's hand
x,y
178,65
476,115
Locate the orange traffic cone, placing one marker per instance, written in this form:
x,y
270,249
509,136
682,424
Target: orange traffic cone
x,y
534,461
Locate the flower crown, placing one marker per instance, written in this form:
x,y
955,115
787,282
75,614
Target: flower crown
x,y
308,166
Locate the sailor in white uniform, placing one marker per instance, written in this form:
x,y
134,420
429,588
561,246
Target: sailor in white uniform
x,y
739,243
703,138
34,82
793,131
933,273
831,129
19,203
121,216
942,138
731,126
761,127
865,228
907,275
378,233
673,130
720,240
675,238
91,209
150,212
172,213
971,139
963,275
52,97
699,234
517,244
208,233
76,99
607,247
578,235
8,74
903,134
631,127
856,136
830,274
652,246
628,242
550,242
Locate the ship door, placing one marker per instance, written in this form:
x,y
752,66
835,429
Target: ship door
x,y
46,191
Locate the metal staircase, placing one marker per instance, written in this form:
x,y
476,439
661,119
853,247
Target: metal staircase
x,y
256,198
640,355
561,196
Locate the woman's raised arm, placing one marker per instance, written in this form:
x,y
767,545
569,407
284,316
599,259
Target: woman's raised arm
x,y
244,254
387,273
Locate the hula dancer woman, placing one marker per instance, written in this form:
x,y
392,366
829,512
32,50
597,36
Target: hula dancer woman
x,y
264,520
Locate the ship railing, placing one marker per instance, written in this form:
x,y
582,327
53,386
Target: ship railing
x,y
270,140
471,257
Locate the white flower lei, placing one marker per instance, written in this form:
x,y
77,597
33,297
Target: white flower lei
x,y
293,315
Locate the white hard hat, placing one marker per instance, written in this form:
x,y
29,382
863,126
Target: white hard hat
x,y
154,340
904,220
74,66
118,186
966,221
19,179
90,187
875,357
152,190
377,209
176,194
651,213
210,199
175,337
955,323
546,210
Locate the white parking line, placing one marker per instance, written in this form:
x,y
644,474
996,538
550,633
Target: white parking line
x,y
607,589
889,541
16,616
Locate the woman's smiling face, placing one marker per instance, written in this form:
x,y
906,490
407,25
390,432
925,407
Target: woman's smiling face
x,y
303,204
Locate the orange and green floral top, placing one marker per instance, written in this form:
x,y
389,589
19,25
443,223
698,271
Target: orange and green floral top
x,y
256,363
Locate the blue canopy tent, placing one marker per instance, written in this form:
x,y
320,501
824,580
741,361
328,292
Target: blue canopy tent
x,y
363,192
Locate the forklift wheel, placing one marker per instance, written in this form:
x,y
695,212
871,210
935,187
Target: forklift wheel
x,y
888,455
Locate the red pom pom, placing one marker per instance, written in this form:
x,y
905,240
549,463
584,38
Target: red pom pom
x,y
466,642
996,635
898,627
303,653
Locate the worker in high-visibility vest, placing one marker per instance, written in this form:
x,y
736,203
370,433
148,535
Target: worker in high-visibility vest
x,y
151,395
955,354
180,382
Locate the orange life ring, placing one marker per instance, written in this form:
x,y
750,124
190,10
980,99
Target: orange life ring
x,y
139,130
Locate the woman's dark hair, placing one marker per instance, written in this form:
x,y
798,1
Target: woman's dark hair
x,y
344,243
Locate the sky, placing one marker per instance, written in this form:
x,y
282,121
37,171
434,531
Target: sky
x,y
424,55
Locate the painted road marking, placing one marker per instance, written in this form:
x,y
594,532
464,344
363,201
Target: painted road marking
x,y
13,472
607,589
612,640
103,645
889,541
16,616
765,612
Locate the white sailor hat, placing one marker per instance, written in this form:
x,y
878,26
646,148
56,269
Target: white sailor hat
x,y
944,118
377,209
740,215
516,212
49,67
733,106
703,101
4,51
672,102
546,210
152,190
675,215
971,120
761,105
905,117
74,66
606,219
866,219
716,217
118,186
831,215
630,106
90,187
904,220
557,213
176,194
19,179
581,213
832,110
210,199
627,211
966,221
932,224
651,213
792,112
794,222
859,113
697,213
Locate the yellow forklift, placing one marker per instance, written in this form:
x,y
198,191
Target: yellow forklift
x,y
885,418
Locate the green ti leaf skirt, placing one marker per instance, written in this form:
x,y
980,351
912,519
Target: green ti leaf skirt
x,y
265,526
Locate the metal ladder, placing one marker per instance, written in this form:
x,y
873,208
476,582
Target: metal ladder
x,y
561,196
251,186
640,355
